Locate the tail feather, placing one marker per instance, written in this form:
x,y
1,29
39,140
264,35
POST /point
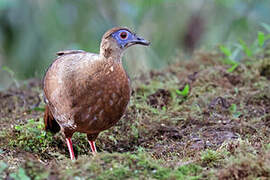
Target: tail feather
x,y
49,121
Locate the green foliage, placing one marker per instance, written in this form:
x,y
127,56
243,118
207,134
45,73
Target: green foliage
x,y
31,137
184,92
225,50
190,169
257,45
234,112
20,175
35,171
212,158
249,51
41,109
261,38
231,69
244,162
229,57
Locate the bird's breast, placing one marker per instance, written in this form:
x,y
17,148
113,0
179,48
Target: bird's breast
x,y
105,102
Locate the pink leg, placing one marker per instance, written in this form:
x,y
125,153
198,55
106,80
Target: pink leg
x,y
93,146
70,148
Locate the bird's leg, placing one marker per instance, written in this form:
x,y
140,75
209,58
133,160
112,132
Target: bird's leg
x,y
91,139
93,146
70,148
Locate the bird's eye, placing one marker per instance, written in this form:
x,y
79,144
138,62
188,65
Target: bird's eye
x,y
123,35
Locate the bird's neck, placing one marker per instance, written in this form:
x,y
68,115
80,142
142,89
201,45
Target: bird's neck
x,y
111,56
112,51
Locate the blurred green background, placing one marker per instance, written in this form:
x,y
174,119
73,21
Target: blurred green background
x,y
31,31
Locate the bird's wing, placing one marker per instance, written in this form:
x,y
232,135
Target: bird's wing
x,y
60,54
69,72
69,83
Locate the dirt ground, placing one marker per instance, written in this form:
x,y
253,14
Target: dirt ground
x,y
218,129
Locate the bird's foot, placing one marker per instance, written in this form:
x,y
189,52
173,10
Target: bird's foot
x,y
93,147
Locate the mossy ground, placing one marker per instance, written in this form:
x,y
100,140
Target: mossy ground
x,y
220,129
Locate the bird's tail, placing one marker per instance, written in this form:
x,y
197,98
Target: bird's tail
x,y
49,121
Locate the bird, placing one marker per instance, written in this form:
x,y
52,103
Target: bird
x,y
87,92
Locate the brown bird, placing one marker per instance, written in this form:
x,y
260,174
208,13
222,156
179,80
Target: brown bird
x,y
86,92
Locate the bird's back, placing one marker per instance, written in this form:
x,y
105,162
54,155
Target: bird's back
x,y
85,92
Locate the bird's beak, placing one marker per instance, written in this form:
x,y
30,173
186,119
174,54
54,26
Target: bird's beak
x,y
139,40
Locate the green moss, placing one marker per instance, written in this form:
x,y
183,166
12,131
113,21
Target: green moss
x,y
245,163
30,136
20,175
213,158
127,165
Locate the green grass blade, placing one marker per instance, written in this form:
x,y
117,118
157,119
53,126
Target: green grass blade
x,y
261,38
225,50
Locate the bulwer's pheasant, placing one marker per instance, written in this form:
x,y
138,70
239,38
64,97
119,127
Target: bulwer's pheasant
x,y
86,92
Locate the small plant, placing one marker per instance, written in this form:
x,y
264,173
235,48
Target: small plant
x,y
258,44
261,38
41,109
211,157
230,57
184,92
256,47
31,136
234,112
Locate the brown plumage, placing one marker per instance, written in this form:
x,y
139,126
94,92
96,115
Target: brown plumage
x,y
88,92
49,121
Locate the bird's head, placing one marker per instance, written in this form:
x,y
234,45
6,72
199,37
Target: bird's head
x,y
117,39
